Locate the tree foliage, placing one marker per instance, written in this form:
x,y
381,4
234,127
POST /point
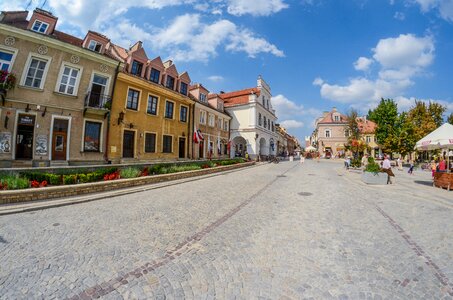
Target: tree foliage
x,y
450,119
385,115
425,118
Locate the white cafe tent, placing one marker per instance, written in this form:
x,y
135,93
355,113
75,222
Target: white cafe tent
x,y
310,149
441,138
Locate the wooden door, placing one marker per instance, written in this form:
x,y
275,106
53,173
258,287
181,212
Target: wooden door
x,y
128,143
59,145
182,147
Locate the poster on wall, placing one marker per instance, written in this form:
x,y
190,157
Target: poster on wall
x,y
5,142
41,144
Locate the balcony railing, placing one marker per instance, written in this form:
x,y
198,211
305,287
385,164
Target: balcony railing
x,y
96,100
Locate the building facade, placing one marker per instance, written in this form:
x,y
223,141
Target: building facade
x,y
253,121
331,134
58,111
151,110
211,125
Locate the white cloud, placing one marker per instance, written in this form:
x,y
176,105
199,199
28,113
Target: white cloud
x,y
443,7
285,108
245,40
215,78
291,124
404,103
399,16
363,63
255,8
400,59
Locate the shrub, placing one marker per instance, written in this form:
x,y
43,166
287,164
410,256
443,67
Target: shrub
x,y
372,166
69,179
356,163
130,172
14,182
54,179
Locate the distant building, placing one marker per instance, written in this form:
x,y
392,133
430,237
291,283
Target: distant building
x,y
253,121
330,133
212,124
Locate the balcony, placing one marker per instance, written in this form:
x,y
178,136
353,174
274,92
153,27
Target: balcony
x,y
97,103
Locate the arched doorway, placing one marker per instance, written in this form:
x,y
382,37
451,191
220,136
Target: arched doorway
x,y
239,147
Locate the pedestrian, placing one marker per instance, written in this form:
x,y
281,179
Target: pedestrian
x,y
399,162
302,159
365,161
433,168
387,168
411,167
442,165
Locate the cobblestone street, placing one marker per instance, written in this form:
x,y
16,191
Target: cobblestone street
x,y
273,231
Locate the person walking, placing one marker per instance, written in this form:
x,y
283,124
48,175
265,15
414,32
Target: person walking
x,y
411,167
365,161
387,168
302,159
399,162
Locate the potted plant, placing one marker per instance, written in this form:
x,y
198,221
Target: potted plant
x,y
7,82
372,173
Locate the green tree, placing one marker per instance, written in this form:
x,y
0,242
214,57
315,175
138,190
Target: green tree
x,y
353,125
425,118
404,131
385,115
450,119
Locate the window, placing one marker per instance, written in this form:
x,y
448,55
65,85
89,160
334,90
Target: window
x,y
336,118
132,99
259,119
225,149
35,73
69,80
39,26
264,101
170,82
211,120
220,123
150,142
6,60
346,133
169,106
202,117
327,133
95,46
268,103
265,122
269,125
368,139
152,105
92,137
167,143
136,68
183,88
202,97
225,125
154,75
220,105
183,114
272,126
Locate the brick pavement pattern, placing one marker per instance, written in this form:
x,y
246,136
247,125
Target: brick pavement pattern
x,y
275,231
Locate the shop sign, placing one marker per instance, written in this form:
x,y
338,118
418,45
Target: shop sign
x,y
26,120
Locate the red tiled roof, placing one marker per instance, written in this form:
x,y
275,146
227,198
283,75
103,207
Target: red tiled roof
x,y
64,37
366,126
328,119
238,97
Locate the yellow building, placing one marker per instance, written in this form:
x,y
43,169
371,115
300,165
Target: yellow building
x,y
151,111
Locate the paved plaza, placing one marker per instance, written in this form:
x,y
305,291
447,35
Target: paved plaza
x,y
272,231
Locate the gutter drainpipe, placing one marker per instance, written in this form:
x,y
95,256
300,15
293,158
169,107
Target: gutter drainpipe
x,y
106,155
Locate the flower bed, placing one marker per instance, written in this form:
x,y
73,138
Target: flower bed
x,y
39,179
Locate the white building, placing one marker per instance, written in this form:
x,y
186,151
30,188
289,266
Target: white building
x,y
252,128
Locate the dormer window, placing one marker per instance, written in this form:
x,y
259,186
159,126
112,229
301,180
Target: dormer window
x,y
202,97
220,106
336,118
95,46
136,68
170,82
40,26
183,88
154,75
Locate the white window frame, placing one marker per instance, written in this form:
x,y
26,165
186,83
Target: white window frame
x,y
219,122
155,141
165,110
101,137
68,137
202,117
157,105
187,116
107,86
225,125
127,96
44,75
211,120
203,98
95,44
60,76
42,23
368,139
12,51
328,131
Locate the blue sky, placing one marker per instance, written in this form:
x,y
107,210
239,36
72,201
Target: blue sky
x,y
315,54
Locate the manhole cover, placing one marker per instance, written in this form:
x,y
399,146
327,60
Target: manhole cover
x,y
281,175
56,224
305,194
311,174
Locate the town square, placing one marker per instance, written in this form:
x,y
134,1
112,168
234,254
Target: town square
x,y
227,149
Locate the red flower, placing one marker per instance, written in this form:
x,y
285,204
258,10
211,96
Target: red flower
x,y
43,183
35,184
